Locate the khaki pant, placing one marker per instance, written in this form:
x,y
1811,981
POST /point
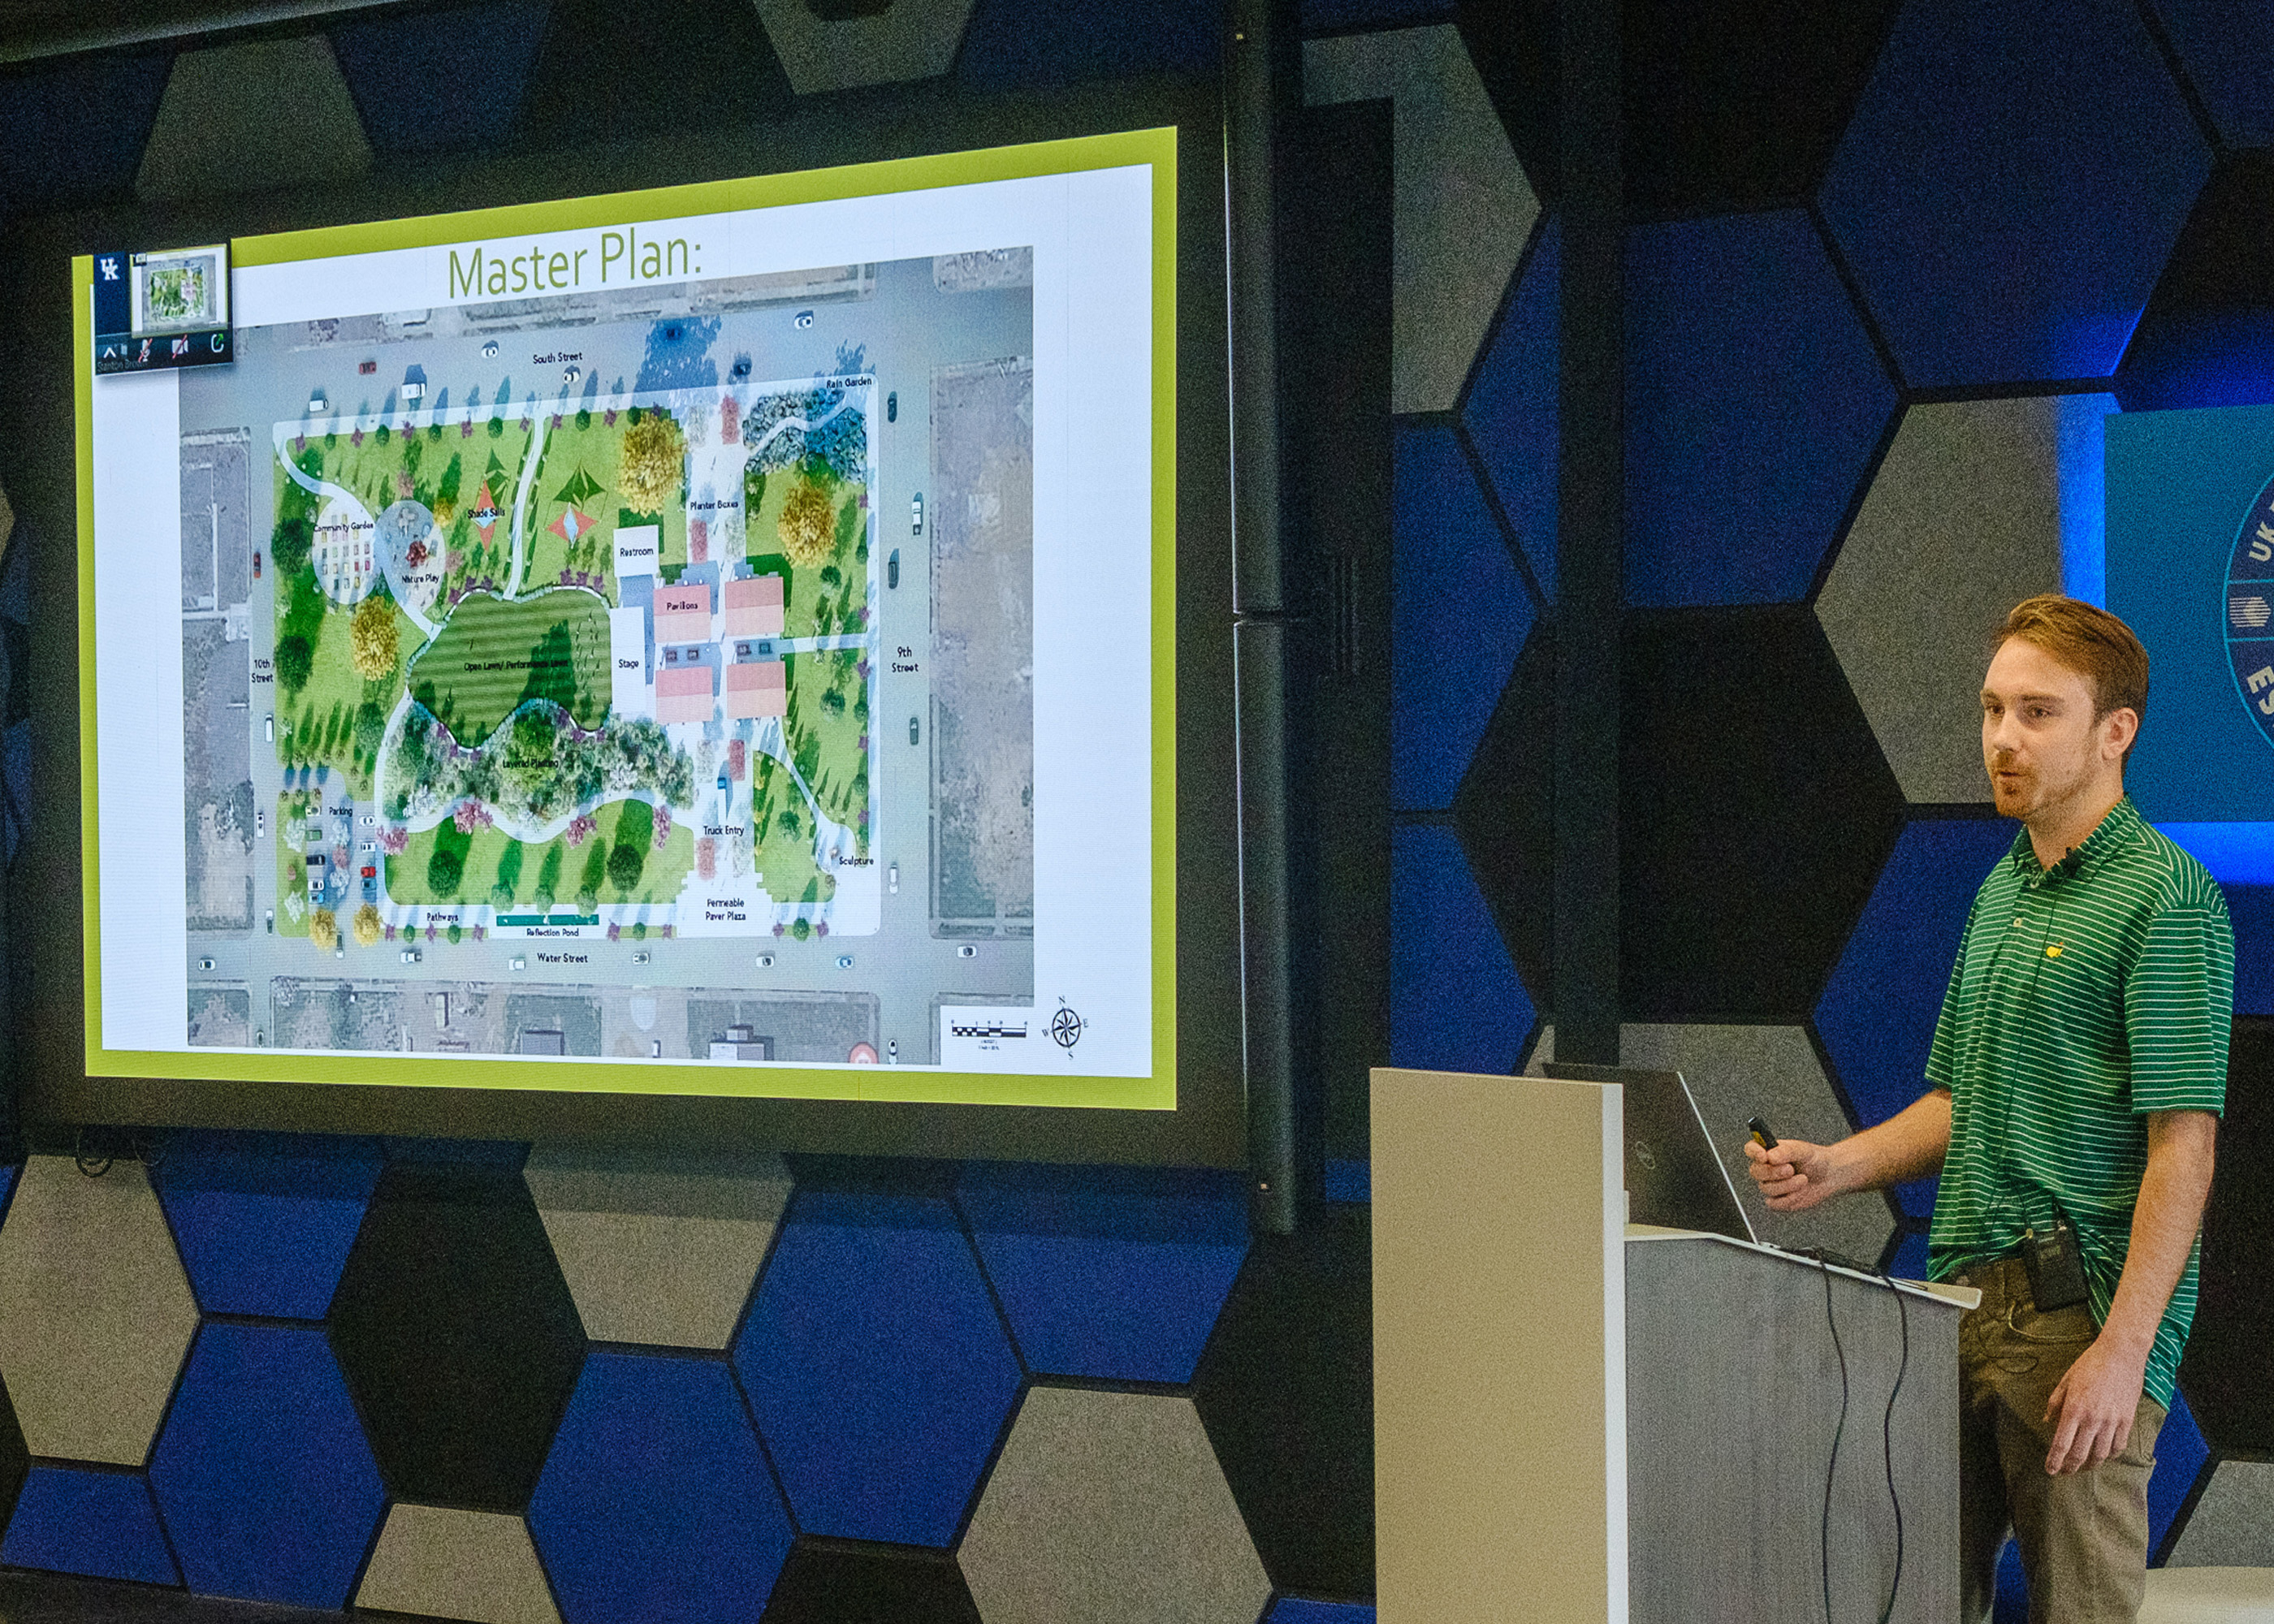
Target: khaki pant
x,y
2083,1537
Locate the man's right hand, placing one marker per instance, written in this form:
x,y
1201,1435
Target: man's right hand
x,y
1794,1176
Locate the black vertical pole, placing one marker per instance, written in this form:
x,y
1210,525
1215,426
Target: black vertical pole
x,y
1252,68
1590,543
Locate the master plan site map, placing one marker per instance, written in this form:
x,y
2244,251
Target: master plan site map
x,y
643,674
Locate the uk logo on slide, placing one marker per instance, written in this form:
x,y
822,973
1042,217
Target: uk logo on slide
x,y
2249,614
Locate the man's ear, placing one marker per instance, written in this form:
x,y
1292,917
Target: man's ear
x,y
2118,729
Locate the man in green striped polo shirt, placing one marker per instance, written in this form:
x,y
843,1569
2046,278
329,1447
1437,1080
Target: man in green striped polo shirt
x,y
2078,1069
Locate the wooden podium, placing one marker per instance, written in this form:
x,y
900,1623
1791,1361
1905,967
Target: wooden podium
x,y
1577,1419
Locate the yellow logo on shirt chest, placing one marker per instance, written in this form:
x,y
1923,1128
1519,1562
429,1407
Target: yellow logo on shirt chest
x,y
2053,950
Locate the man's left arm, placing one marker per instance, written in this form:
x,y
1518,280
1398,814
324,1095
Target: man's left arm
x,y
2097,1400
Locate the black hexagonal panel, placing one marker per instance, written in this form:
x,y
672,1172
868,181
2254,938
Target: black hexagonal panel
x,y
845,1582
15,1459
1286,1393
614,71
2224,1375
1755,810
2207,336
1731,103
457,1335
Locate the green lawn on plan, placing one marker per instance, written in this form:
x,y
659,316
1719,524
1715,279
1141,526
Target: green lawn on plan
x,y
492,654
316,724
494,864
828,714
812,605
783,827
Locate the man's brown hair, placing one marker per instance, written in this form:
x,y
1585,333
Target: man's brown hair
x,y
2091,642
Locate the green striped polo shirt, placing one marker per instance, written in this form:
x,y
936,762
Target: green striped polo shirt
x,y
2085,995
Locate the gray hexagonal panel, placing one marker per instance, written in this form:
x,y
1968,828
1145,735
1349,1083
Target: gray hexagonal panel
x,y
95,1313
447,1564
1464,209
657,1252
2233,1523
866,45
246,116
1109,1507
1963,520
1738,1072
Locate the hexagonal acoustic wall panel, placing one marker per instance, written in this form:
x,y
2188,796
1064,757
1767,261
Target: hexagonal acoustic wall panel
x,y
2233,1523
1112,1273
656,1503
2226,55
2207,338
2224,1375
1459,612
1755,403
457,1335
2010,185
219,128
877,1365
610,71
265,1221
98,1310
478,1565
655,1252
1878,1014
1511,406
837,44
15,1459
1963,520
1455,1002
262,1475
1738,1072
73,1519
406,72
2182,1460
81,123
835,1581
1010,44
1289,1610
1464,209
1747,847
1286,1392
1738,104
1109,1507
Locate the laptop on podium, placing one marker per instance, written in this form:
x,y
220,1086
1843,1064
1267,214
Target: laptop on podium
x,y
1675,1178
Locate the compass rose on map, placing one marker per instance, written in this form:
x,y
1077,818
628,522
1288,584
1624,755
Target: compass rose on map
x,y
1066,1027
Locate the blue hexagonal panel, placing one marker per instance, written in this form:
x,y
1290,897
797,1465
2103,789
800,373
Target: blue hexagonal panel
x,y
1290,1610
2010,186
1755,402
2251,907
1511,408
877,1365
1459,613
1455,1002
1877,1013
2180,1453
7,1186
2228,54
408,74
265,1221
70,1519
1010,45
262,1474
1115,1272
656,1503
77,125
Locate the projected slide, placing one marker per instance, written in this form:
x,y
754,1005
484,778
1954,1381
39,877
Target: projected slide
x,y
660,644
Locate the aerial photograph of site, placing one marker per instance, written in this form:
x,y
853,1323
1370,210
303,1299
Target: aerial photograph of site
x,y
644,675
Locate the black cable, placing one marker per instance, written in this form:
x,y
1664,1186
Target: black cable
x,y
1832,1467
1887,1441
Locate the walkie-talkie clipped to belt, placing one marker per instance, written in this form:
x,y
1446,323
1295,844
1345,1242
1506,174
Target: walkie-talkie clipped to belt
x,y
2055,1264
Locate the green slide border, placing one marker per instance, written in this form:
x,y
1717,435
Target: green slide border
x,y
1155,147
